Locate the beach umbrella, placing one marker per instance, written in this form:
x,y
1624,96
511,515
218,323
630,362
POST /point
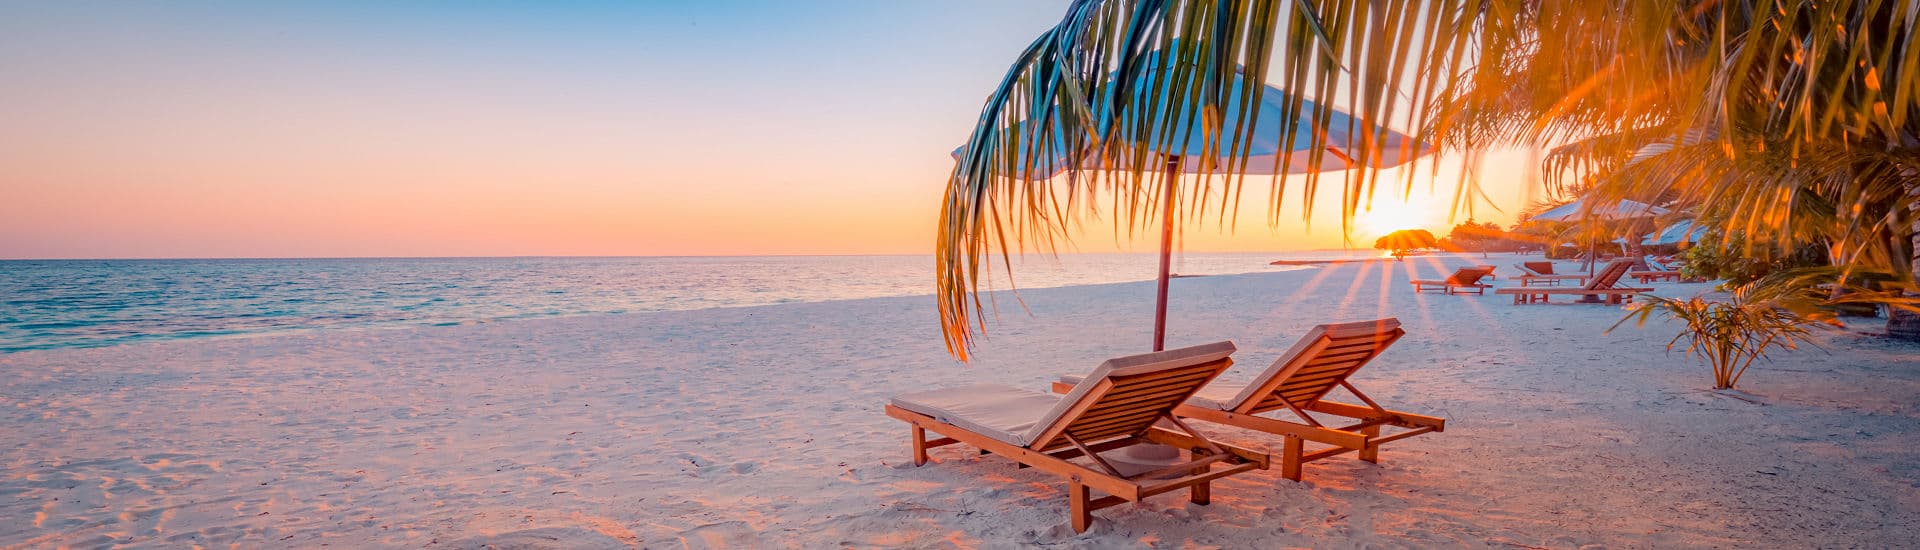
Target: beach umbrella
x,y
1623,242
1189,152
1683,231
1579,210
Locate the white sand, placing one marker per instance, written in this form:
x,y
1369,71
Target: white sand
x,y
761,427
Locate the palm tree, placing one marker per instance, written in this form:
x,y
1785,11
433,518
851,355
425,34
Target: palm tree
x,y
1805,132
1791,120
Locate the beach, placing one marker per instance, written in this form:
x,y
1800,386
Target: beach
x,y
754,427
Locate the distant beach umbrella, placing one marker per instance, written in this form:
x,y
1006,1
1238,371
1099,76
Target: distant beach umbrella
x,y
1683,231
1578,211
1191,152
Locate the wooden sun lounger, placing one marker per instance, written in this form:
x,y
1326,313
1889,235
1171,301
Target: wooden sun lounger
x,y
1536,295
1651,276
1117,406
1541,274
1466,279
1655,271
1299,383
1602,285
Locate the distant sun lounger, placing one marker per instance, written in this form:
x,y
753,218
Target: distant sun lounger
x,y
1601,285
1467,279
1655,272
1117,406
1541,274
1299,382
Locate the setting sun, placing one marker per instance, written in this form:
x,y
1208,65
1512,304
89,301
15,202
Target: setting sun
x,y
1387,216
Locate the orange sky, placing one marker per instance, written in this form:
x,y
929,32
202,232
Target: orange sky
x,y
269,131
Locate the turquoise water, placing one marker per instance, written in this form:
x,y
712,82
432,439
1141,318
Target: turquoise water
x,y
84,303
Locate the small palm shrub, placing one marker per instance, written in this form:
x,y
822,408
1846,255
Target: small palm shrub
x,y
1731,335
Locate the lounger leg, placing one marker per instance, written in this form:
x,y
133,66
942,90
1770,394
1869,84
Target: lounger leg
x,y
1203,491
1372,452
919,445
1081,506
1290,457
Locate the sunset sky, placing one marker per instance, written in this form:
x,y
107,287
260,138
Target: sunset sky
x,y
315,129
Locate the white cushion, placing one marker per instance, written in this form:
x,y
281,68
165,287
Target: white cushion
x,y
1001,412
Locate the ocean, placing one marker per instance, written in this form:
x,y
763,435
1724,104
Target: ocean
x,y
47,304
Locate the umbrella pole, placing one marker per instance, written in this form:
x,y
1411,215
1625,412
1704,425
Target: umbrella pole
x,y
1172,177
1593,250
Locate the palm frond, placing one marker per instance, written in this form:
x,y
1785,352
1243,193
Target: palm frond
x,y
1098,93
1792,122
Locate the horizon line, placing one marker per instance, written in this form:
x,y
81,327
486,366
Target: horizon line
x,y
590,256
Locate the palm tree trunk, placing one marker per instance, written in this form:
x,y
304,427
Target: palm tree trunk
x,y
1903,324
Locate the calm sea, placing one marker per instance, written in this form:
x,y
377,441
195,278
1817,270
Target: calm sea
x,y
84,303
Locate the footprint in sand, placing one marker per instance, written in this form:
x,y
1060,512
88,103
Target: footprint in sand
x,y
731,534
531,539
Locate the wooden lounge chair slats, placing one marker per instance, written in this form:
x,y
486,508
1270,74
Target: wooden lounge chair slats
x,y
1119,405
1340,342
1324,380
1140,398
1351,352
1336,363
1098,418
1156,388
1345,354
1331,374
1334,369
1129,422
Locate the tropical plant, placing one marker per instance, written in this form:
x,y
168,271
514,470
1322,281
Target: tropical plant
x,y
1729,336
1729,259
1786,125
1471,236
1789,121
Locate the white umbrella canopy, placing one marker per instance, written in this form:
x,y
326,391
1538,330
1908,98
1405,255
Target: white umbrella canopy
x,y
1578,211
1683,231
1267,153
1187,150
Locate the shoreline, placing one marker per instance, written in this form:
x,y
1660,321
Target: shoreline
x,y
1329,262
17,343
100,334
1473,256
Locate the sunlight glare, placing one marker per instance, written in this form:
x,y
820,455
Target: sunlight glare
x,y
1387,216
